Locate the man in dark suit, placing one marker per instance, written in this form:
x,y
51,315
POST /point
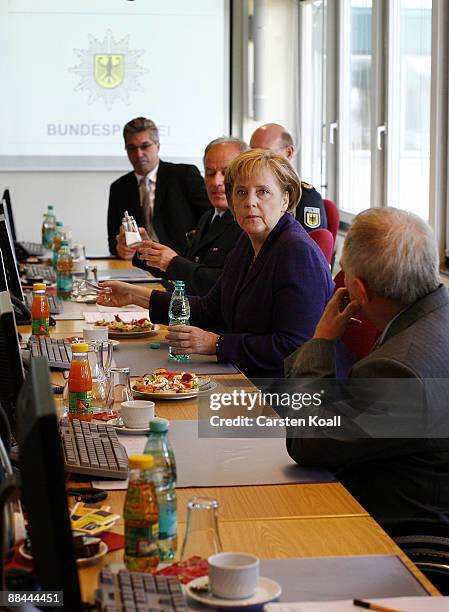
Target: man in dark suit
x,y
391,268
310,211
165,199
215,236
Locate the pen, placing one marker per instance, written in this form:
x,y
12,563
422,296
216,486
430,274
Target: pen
x,y
373,606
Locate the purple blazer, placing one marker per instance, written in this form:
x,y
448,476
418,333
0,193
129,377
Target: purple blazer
x,y
267,307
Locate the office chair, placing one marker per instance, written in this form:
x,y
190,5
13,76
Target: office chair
x,y
325,241
333,218
358,339
427,545
333,223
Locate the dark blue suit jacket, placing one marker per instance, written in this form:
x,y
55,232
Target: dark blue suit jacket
x,y
266,307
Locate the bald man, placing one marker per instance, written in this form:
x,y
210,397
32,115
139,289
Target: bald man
x,y
310,211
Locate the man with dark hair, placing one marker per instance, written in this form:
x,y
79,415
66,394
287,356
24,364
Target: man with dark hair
x,y
165,199
215,236
310,211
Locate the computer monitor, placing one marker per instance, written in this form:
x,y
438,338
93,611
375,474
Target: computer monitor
x,y
43,487
9,258
11,369
12,227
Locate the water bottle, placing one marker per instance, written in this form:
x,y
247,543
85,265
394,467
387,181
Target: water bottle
x,y
64,269
48,228
179,313
59,234
164,478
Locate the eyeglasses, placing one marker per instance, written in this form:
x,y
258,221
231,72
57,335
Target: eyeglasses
x,y
143,147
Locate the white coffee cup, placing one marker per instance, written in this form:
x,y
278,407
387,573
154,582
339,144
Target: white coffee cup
x,y
95,333
136,414
233,575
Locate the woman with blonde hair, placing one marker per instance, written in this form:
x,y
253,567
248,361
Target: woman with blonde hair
x,y
275,283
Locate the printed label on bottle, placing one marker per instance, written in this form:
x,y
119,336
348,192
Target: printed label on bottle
x,y
64,283
39,327
141,541
48,236
167,522
80,402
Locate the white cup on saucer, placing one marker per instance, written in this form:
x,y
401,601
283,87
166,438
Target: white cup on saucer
x,y
136,414
95,333
233,575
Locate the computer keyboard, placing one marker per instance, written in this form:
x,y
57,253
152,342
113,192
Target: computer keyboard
x,y
54,303
33,271
33,248
93,449
56,350
139,592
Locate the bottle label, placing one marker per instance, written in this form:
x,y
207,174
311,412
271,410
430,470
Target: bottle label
x,y
39,327
64,283
80,402
141,540
48,236
167,522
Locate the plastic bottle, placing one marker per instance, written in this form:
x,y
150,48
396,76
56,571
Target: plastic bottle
x,y
141,515
40,313
179,313
80,384
164,478
48,228
59,234
64,269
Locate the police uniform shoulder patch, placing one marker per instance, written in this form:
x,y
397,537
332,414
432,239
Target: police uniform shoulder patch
x,y
307,186
312,217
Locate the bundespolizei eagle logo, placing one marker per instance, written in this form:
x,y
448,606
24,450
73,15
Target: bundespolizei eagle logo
x,y
108,69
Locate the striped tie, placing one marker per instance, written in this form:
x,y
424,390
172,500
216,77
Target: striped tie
x,y
148,190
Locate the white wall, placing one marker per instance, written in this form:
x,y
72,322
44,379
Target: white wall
x,y
80,200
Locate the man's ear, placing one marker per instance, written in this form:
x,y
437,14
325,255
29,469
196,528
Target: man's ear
x,y
361,292
290,152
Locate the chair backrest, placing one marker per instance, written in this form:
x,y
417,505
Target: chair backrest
x,y
325,241
358,339
333,218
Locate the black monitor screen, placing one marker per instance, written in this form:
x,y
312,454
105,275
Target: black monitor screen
x,y
11,370
9,258
12,227
43,487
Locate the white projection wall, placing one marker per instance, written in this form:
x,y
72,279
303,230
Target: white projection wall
x,y
74,71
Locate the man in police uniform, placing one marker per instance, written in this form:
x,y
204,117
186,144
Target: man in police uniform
x,y
216,233
310,211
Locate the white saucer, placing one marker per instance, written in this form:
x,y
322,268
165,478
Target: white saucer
x,y
266,590
121,429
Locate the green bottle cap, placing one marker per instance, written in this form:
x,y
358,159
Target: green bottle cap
x,y
64,243
159,425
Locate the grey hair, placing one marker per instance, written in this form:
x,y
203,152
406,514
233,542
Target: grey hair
x,y
393,252
141,124
225,140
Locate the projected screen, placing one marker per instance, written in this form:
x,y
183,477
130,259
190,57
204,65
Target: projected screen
x,y
74,72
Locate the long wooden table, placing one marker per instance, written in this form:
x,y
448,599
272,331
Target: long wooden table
x,y
271,521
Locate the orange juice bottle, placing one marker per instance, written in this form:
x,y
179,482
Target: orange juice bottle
x,y
141,514
40,313
80,384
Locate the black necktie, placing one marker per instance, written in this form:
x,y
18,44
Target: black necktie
x,y
215,222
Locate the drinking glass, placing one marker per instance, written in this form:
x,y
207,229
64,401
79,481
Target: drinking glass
x,y
120,387
201,536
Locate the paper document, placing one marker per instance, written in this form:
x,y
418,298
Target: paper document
x,y
402,604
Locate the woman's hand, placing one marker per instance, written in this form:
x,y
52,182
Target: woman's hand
x,y
337,315
188,339
118,294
